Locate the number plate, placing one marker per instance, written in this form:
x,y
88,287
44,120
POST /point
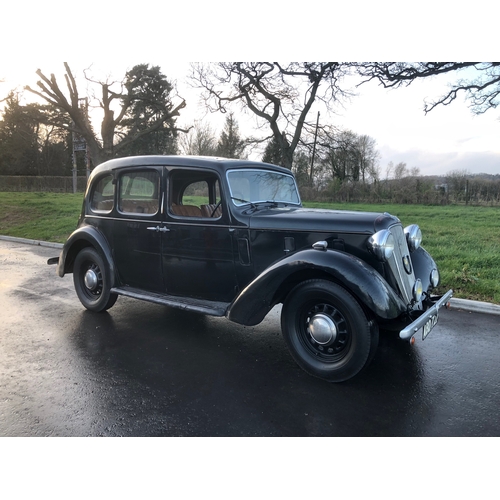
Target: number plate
x,y
429,325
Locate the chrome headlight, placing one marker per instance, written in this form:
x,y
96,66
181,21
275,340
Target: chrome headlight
x,y
417,290
413,237
435,278
382,244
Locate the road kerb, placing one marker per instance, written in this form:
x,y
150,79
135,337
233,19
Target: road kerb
x,y
31,242
475,306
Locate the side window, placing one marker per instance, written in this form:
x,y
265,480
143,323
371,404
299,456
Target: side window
x,y
195,197
102,196
139,192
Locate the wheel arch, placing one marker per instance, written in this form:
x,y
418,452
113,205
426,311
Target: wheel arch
x,y
83,237
272,286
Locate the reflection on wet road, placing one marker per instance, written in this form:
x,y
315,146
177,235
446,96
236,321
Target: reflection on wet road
x,y
146,370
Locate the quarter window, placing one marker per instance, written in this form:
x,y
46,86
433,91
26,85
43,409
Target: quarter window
x,y
139,192
103,195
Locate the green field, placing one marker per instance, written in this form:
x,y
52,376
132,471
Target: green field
x,y
464,240
39,216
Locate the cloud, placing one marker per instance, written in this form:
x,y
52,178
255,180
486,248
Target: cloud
x,y
431,163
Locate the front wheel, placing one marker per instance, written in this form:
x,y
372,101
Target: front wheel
x,y
327,331
91,280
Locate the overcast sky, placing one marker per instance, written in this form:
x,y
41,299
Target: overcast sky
x,y
113,40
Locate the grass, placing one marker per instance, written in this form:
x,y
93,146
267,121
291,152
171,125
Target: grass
x,y
464,241
39,216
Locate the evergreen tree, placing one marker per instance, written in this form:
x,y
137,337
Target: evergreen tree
x,y
230,144
147,119
273,153
32,141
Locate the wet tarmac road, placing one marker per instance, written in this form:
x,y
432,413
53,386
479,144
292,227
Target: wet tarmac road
x,y
146,370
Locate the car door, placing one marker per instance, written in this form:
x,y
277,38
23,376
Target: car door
x,y
198,258
138,228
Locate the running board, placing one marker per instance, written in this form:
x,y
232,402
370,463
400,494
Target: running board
x,y
209,307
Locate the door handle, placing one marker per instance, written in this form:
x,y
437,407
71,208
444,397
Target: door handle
x,y
162,229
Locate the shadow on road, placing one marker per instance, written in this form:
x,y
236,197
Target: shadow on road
x,y
206,376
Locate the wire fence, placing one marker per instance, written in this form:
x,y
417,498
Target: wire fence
x,y
49,184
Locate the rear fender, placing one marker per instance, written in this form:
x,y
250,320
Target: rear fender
x,y
363,281
85,236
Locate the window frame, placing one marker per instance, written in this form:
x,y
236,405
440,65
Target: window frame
x,y
157,191
186,176
93,191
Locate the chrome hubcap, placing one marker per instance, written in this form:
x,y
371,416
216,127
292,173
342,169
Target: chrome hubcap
x,y
322,329
90,279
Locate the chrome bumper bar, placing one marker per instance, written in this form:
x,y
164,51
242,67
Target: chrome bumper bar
x,y
408,332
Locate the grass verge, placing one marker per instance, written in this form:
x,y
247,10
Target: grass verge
x,y
39,216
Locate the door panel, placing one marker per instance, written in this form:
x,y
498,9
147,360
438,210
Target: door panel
x,y
198,258
198,261
137,242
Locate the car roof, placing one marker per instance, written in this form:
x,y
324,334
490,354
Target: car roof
x,y
213,162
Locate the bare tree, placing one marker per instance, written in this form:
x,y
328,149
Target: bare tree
x,y
139,85
482,89
400,171
341,156
200,140
279,95
369,157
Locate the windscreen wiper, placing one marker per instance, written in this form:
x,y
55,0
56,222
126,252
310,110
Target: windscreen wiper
x,y
254,205
244,201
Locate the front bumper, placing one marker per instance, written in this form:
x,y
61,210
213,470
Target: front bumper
x,y
408,332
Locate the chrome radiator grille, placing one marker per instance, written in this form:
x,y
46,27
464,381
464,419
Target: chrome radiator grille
x,y
405,280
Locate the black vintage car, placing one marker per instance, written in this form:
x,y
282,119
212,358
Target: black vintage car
x,y
231,238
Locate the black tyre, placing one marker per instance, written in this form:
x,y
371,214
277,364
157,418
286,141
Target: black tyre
x,y
327,331
375,334
92,283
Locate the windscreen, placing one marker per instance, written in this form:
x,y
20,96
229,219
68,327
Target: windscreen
x,y
254,186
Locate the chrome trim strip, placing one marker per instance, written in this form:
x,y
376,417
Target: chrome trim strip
x,y
188,221
149,221
319,231
408,332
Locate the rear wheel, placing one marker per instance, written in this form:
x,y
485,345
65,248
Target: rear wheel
x,y
92,283
327,331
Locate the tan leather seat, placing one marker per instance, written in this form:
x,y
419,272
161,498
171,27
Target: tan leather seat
x,y
207,210
102,206
186,210
139,206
